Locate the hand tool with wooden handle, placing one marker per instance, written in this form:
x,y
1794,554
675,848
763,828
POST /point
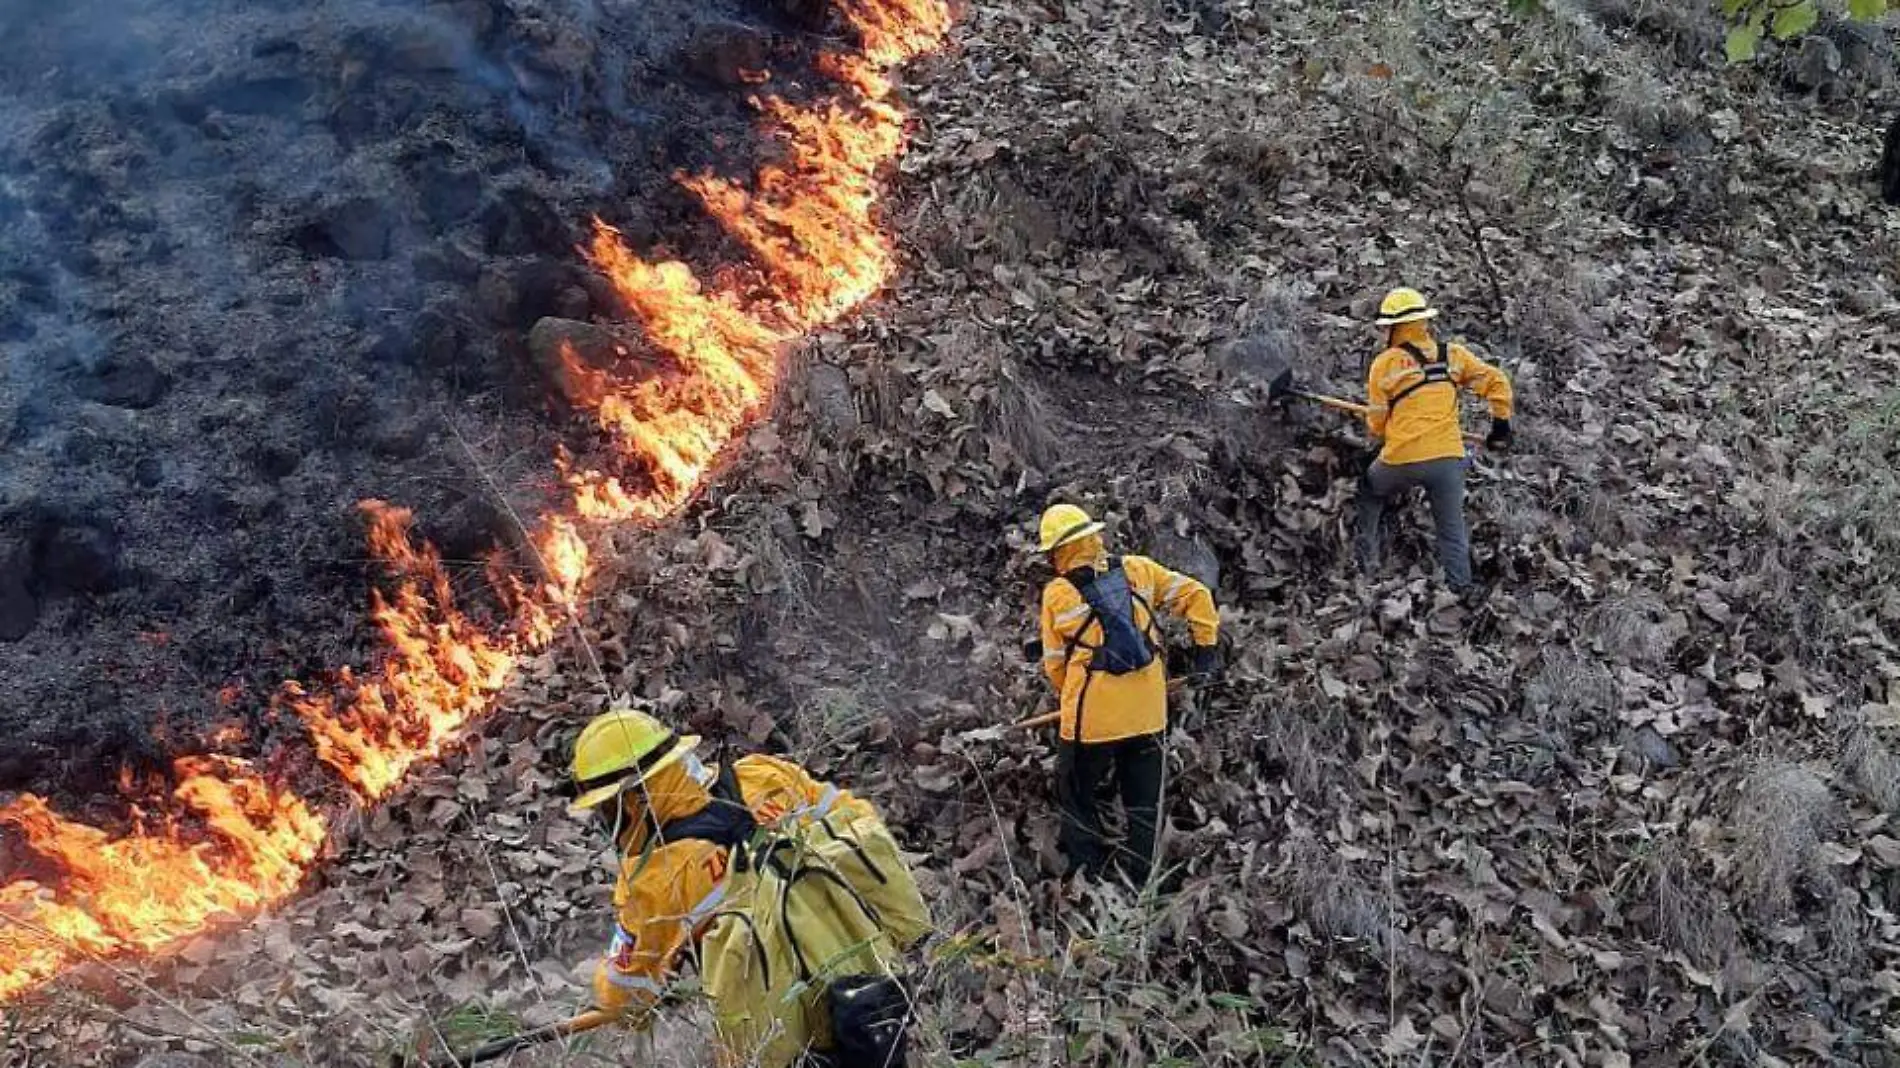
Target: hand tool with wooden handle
x,y
1283,387
1174,686
501,1047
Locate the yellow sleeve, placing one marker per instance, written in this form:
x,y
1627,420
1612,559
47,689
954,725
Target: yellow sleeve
x,y
1182,596
1058,597
1483,379
654,922
1378,405
775,788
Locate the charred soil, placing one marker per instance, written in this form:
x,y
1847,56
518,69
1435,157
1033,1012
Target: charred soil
x,y
261,262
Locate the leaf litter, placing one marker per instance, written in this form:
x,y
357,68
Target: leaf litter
x,y
1634,809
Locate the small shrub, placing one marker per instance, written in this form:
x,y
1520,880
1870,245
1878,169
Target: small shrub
x,y
1692,917
1782,814
1629,629
1568,689
1871,766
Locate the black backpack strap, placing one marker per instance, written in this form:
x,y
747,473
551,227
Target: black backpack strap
x,y
727,821
1080,578
1431,372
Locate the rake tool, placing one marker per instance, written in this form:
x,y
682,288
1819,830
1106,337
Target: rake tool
x,y
501,1047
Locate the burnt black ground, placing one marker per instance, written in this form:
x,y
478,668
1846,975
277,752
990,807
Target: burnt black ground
x,y
261,259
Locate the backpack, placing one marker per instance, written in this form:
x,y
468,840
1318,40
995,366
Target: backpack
x,y
805,947
1125,647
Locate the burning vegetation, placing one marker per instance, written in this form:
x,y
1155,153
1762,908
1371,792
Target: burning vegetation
x,y
232,837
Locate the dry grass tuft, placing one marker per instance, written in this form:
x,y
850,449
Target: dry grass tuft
x,y
1272,335
1846,928
1691,32
1647,107
1782,814
1629,629
1692,917
1568,689
1870,765
829,718
1336,902
1304,742
1018,413
778,565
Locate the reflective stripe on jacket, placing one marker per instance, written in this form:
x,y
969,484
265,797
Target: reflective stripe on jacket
x,y
1424,424
1113,707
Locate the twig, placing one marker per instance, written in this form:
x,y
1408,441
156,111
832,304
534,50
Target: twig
x,y
527,540
507,912
1015,882
1475,233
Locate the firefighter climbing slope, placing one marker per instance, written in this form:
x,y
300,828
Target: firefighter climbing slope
x,y
791,889
1101,648
1412,390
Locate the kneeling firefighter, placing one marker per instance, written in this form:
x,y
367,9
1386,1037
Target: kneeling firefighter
x,y
791,889
1100,649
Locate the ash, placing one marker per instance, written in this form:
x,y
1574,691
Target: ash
x,y
262,259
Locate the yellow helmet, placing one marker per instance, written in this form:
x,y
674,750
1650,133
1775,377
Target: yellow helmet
x,y
619,749
1062,524
1404,306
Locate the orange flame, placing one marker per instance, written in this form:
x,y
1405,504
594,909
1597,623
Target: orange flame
x,y
239,843
441,670
145,889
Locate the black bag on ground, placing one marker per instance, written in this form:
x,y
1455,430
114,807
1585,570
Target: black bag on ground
x,y
870,1022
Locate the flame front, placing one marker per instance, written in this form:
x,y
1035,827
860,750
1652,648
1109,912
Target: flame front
x,y
234,842
440,670
145,890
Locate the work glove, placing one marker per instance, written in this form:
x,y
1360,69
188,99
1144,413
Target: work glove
x,y
1500,435
1205,665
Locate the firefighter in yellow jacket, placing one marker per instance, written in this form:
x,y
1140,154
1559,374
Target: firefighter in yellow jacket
x,y
1103,653
678,825
1412,394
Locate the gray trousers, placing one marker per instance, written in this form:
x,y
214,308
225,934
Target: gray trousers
x,y
1444,482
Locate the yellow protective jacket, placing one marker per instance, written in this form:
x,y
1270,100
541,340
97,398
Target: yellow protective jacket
x,y
1418,417
1097,706
666,894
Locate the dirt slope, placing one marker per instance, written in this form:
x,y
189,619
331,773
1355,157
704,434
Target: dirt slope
x,y
1637,809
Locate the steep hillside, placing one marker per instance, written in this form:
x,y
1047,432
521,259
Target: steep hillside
x,y
1636,808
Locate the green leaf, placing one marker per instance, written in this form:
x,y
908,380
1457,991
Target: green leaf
x,y
1732,8
1866,10
1795,19
1531,7
1741,43
1224,1000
